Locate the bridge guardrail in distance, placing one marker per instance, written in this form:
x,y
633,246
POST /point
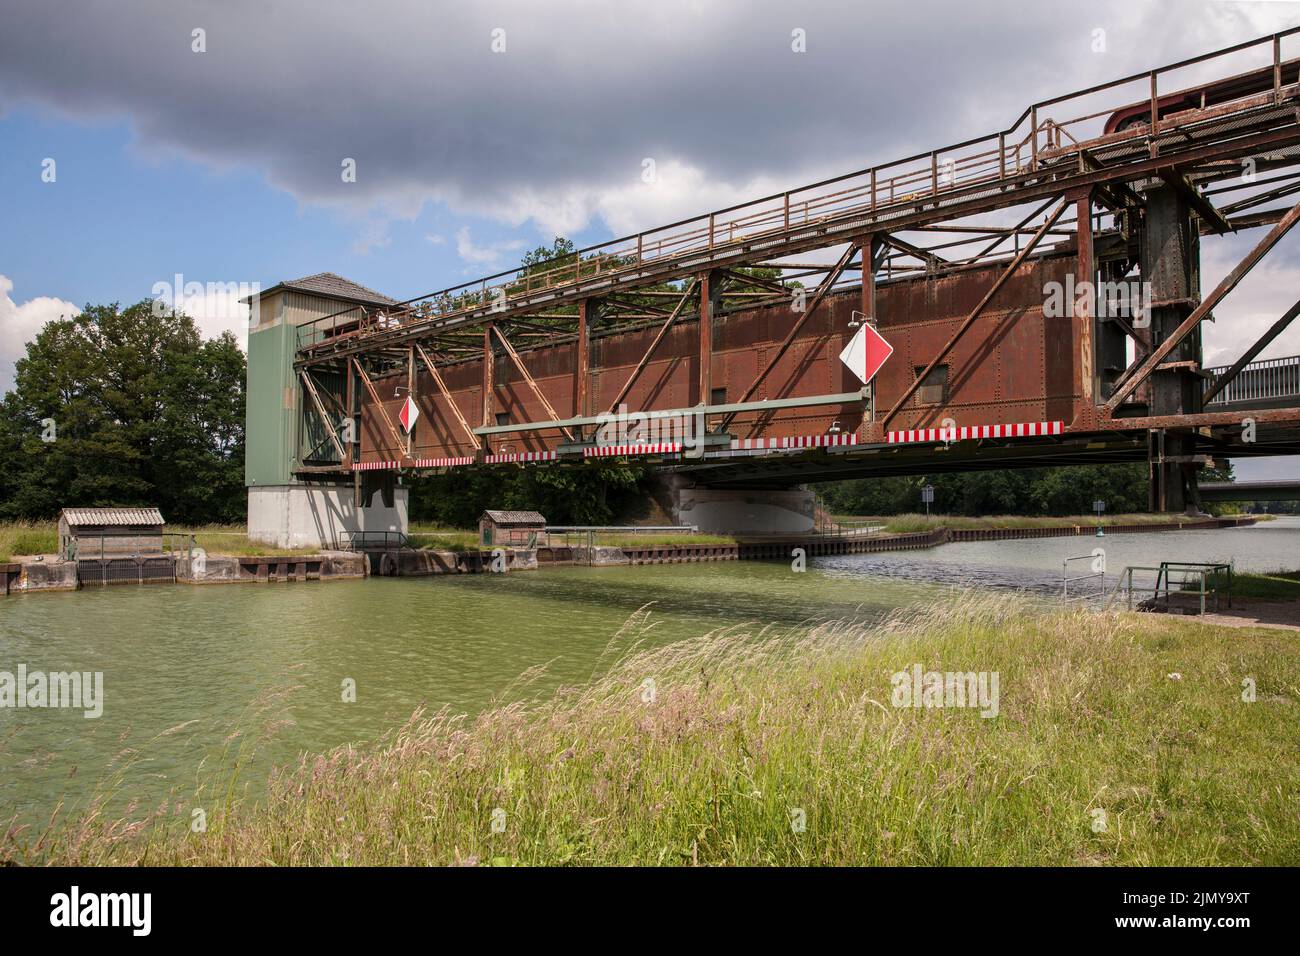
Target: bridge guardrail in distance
x,y
1259,381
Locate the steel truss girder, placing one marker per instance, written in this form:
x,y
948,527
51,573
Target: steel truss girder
x,y
320,410
975,313
532,384
654,345
822,290
1027,187
379,406
446,394
1135,377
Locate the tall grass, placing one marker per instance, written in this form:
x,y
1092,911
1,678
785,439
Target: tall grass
x,y
28,538
434,537
229,539
650,539
747,731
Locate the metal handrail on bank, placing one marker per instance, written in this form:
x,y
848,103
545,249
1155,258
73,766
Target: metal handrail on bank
x,y
1185,572
1066,580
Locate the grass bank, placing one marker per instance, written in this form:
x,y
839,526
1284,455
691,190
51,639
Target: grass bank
x,y
26,538
1277,586
1119,739
433,537
900,524
436,538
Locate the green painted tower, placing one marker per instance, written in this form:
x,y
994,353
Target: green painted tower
x,y
286,508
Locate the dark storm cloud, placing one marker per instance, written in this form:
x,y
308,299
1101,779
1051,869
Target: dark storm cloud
x,y
584,91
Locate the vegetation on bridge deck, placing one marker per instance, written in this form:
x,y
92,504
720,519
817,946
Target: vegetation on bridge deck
x,y
1138,716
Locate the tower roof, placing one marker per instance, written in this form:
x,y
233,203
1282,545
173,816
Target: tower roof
x,y
332,286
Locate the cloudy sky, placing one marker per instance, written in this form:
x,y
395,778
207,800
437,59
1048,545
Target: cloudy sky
x,y
207,139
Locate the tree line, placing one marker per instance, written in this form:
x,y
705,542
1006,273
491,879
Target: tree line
x,y
1065,490
125,406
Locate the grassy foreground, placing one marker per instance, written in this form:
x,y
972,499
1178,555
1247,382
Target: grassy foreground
x,y
744,733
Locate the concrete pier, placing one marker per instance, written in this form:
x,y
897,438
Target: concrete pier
x,y
317,516
749,511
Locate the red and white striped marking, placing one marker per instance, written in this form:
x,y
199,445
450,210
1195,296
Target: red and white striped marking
x,y
647,448
521,456
412,463
966,432
913,436
793,441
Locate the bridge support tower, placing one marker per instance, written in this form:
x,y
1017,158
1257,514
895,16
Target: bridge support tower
x,y
1170,263
286,437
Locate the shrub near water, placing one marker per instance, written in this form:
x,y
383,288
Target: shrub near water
x,y
744,731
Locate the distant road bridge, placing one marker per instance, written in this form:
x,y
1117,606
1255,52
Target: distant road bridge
x,y
1040,287
1251,491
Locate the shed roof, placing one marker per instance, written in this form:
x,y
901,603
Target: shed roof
x,y
514,517
111,516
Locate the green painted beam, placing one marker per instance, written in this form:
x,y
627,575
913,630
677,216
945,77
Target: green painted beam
x,y
772,404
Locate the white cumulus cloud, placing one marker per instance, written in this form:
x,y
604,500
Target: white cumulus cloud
x,y
19,323
476,254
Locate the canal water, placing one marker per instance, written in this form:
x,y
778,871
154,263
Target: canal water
x,y
186,667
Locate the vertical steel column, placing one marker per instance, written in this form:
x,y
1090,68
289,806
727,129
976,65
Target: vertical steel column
x,y
488,363
410,393
1170,260
351,434
710,287
582,365
869,245
1084,311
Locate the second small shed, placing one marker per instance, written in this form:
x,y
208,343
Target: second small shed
x,y
513,528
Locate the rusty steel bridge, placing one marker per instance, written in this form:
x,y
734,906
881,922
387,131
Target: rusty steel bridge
x,y
738,317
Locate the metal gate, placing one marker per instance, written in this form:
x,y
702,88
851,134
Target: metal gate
x,y
101,572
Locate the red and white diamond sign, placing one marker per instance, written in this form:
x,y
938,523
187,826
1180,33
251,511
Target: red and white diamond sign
x,y
410,412
866,353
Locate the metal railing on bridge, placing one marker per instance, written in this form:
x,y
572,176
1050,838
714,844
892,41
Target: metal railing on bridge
x,y
1260,381
1078,139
